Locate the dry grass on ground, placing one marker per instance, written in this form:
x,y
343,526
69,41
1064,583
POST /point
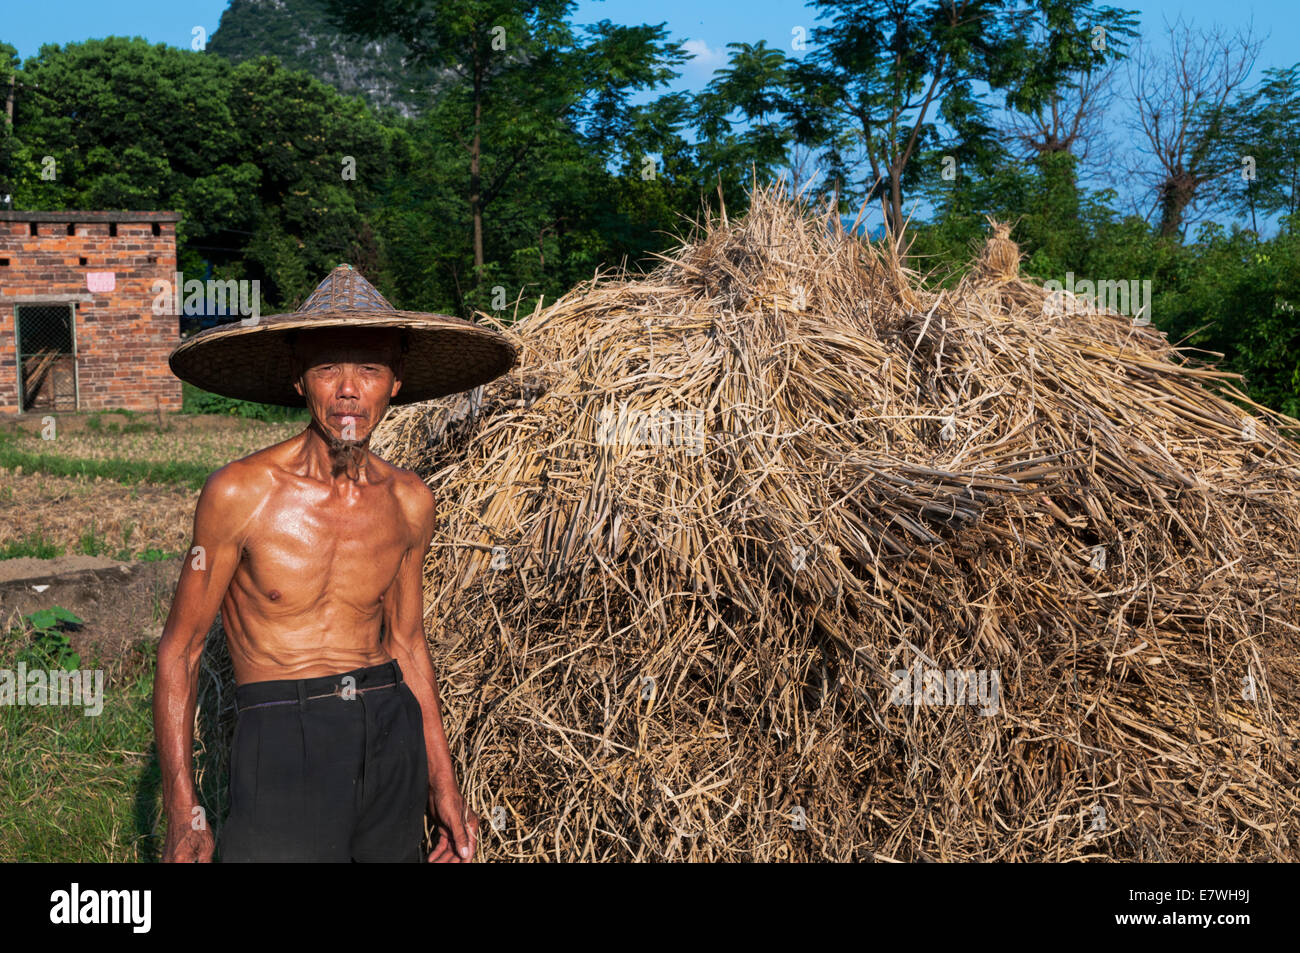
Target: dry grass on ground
x,y
79,514
64,510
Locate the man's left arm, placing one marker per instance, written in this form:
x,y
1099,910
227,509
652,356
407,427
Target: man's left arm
x,y
456,827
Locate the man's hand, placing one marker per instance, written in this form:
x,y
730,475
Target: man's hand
x,y
184,845
455,829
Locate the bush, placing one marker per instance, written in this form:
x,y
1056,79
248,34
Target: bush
x,y
196,401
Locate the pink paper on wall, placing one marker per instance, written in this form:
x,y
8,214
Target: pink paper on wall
x,y
101,280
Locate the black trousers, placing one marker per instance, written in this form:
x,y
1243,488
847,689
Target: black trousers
x,y
327,769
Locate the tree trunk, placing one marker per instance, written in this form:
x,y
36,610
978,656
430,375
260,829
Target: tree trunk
x,y
475,177
896,201
1176,193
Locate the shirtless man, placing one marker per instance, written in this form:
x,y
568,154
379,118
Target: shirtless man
x,y
313,549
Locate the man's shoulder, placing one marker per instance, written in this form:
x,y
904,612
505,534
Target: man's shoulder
x,y
404,481
240,483
413,494
412,488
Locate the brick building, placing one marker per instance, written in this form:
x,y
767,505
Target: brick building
x,y
77,327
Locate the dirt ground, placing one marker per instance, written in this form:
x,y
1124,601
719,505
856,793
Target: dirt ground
x,y
29,568
121,603
103,527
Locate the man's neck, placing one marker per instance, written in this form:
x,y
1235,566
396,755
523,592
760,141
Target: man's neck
x,y
341,460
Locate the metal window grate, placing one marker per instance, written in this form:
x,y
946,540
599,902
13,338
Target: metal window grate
x,y
47,363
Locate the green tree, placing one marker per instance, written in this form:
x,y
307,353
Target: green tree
x,y
876,79
1263,147
13,157
738,119
528,169
252,156
526,82
317,162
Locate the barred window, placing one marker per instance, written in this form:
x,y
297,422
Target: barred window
x,y
47,365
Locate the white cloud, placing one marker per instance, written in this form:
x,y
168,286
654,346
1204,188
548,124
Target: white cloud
x,y
705,59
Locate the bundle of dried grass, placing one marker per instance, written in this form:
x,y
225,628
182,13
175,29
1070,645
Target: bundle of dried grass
x,y
686,548
1000,256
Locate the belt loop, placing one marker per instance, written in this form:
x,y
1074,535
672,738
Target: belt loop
x,y
397,672
301,685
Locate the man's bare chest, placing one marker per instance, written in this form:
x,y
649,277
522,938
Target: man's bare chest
x,y
307,544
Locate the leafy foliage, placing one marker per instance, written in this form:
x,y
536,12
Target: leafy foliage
x,y
544,151
49,645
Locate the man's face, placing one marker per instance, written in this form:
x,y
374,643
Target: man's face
x,y
348,376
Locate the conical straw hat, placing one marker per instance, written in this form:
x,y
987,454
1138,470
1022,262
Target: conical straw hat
x,y
446,355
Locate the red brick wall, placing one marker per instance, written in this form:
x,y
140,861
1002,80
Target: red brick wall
x,y
122,346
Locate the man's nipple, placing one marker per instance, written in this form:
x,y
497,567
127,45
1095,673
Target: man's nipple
x,y
274,594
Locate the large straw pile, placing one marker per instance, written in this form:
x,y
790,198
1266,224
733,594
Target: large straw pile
x,y
648,652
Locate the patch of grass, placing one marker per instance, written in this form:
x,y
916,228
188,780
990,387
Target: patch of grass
x,y
124,554
153,555
92,544
135,423
183,453
122,471
87,789
79,788
161,606
34,544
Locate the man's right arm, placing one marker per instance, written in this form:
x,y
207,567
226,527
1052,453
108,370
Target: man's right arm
x,y
206,570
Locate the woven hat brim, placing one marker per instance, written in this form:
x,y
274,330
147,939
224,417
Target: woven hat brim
x,y
447,355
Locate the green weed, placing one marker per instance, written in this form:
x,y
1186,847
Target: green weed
x,y
34,544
